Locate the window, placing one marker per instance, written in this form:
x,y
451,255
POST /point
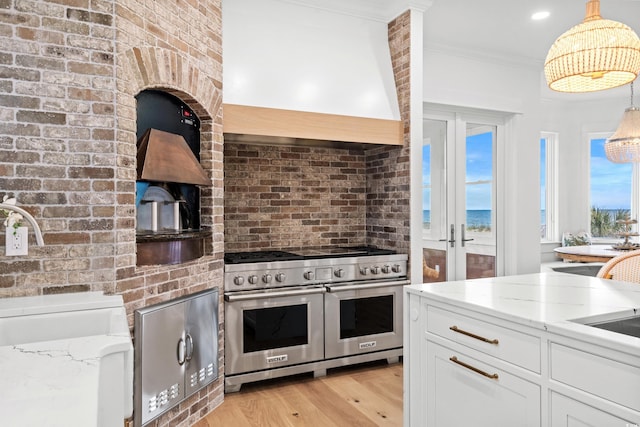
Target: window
x,y
426,187
548,203
610,193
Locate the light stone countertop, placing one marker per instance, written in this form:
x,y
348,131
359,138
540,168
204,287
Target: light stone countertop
x,y
547,301
65,360
54,383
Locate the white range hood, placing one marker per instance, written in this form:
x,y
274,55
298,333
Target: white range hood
x,y
296,71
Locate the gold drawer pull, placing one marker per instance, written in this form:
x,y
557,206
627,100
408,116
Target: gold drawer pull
x,y
476,370
469,334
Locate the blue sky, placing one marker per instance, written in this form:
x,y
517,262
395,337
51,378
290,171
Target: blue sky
x,y
479,168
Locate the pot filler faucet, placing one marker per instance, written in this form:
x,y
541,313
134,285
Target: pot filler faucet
x,y
28,217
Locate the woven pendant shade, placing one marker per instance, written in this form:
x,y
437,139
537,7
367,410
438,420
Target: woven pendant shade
x,y
624,144
594,55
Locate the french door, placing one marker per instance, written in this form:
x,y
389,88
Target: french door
x,y
460,196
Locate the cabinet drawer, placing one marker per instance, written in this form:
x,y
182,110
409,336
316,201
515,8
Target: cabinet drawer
x,y
566,412
606,378
465,391
507,344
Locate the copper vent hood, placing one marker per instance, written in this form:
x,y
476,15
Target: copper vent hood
x,y
166,157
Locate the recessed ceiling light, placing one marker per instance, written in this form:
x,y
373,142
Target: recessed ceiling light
x,y
540,15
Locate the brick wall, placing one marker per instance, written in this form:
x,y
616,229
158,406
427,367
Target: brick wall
x,y
57,146
279,197
69,73
387,168
175,47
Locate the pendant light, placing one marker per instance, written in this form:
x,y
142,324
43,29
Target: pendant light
x,y
594,55
624,144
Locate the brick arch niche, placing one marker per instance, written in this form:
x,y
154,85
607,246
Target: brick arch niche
x,y
158,69
182,76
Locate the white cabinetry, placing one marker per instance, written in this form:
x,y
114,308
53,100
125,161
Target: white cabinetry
x,y
606,390
468,391
476,370
473,365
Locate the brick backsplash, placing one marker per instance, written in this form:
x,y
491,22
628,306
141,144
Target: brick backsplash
x,y
280,197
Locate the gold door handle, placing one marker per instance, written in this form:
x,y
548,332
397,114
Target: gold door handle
x,y
474,369
472,335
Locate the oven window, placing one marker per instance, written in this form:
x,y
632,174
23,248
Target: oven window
x,y
276,327
366,316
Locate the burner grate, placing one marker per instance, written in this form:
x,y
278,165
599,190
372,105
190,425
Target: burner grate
x,y
259,256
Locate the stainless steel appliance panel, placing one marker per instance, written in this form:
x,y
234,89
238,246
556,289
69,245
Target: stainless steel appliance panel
x,y
363,317
159,377
201,341
270,329
176,347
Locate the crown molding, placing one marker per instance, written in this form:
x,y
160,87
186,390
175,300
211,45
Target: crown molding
x,y
375,10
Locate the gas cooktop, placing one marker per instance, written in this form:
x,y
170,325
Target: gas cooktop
x,y
304,253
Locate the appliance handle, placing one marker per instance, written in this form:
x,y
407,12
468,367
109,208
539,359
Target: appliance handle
x,y
352,287
231,297
189,347
181,350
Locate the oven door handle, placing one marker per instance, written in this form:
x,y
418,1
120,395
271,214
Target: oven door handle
x,y
273,294
343,288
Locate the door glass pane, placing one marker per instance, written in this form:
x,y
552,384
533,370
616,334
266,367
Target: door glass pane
x,y
366,316
275,327
480,201
434,201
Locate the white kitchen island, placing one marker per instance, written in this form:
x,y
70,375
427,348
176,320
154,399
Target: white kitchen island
x,y
508,352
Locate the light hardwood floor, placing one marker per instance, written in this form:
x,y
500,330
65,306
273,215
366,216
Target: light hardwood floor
x,y
366,395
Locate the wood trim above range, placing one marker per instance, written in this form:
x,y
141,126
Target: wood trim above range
x,y
273,122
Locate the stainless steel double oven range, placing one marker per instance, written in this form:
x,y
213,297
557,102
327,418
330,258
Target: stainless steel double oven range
x,y
295,311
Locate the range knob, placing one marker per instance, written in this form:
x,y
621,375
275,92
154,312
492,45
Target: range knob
x,y
280,277
364,270
309,275
253,279
386,269
375,270
238,280
339,272
266,278
396,268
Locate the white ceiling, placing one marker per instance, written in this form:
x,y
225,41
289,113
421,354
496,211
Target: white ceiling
x,y
504,30
500,29
505,27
